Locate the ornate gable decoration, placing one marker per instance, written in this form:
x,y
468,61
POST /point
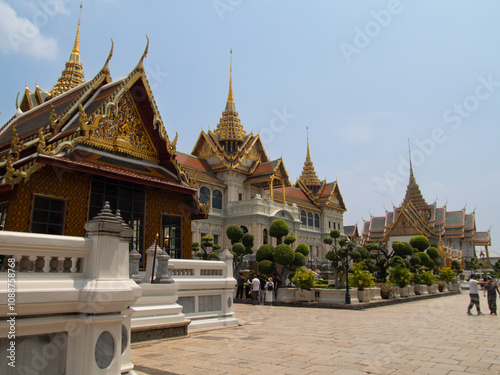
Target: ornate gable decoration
x,y
123,130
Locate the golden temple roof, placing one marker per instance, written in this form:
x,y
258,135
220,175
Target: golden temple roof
x,y
72,75
309,176
413,193
229,128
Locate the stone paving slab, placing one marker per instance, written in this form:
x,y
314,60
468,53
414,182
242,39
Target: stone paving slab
x,y
431,336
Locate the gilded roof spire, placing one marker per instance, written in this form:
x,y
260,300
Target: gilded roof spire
x,y
229,128
413,193
309,176
72,75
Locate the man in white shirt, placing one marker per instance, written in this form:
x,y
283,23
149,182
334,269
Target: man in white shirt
x,y
474,294
255,290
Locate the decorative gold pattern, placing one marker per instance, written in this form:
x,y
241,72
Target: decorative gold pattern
x,y
123,131
54,182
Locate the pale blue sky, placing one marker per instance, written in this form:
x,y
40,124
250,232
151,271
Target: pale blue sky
x,y
364,76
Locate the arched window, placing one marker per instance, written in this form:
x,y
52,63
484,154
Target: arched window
x,y
217,199
316,220
310,219
244,229
204,194
303,217
264,236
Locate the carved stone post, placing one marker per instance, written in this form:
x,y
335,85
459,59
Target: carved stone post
x,y
162,273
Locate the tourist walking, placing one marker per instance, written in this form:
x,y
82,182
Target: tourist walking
x,y
255,290
492,289
474,294
269,288
239,286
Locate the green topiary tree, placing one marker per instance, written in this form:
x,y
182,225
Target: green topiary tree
x,y
266,267
290,240
234,233
302,248
207,247
265,252
284,255
300,260
421,243
278,229
242,245
425,260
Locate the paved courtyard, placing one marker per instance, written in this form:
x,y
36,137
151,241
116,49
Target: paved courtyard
x,y
433,336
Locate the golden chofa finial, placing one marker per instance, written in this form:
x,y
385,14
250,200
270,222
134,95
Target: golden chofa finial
x,y
140,65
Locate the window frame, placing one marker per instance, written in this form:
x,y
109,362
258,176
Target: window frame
x,y
48,223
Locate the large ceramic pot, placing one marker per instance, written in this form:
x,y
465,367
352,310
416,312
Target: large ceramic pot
x,y
363,295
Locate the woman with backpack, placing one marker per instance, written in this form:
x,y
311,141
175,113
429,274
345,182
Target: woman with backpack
x,y
269,291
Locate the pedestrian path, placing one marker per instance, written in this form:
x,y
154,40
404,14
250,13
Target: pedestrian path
x,y
432,336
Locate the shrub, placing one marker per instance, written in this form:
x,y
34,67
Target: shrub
x,y
302,248
433,253
234,233
247,240
238,248
428,278
266,267
303,279
446,274
278,229
361,278
400,275
290,240
214,256
420,243
425,260
283,254
300,259
265,252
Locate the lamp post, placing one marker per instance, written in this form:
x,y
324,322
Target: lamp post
x,y
348,249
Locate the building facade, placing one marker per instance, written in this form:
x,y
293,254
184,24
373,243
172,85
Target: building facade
x,y
242,185
67,151
453,231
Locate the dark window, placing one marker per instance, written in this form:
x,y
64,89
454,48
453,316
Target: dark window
x,y
3,215
240,197
334,225
125,196
310,219
217,199
244,229
329,225
48,215
216,239
264,236
171,235
316,220
204,194
303,217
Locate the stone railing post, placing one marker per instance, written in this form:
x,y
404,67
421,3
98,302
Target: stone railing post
x,y
134,259
227,258
162,274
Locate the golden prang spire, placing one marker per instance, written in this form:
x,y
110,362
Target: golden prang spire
x,y
309,176
72,75
413,193
229,129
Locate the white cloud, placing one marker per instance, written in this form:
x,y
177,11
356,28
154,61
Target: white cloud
x,y
20,35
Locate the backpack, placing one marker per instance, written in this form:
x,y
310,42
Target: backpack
x,y
270,286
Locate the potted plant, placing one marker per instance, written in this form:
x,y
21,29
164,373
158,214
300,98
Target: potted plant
x,y
401,276
428,279
304,280
361,279
446,276
386,289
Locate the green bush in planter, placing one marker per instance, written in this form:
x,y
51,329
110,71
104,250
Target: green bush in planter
x,y
447,275
265,252
303,249
428,278
361,278
303,279
400,275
